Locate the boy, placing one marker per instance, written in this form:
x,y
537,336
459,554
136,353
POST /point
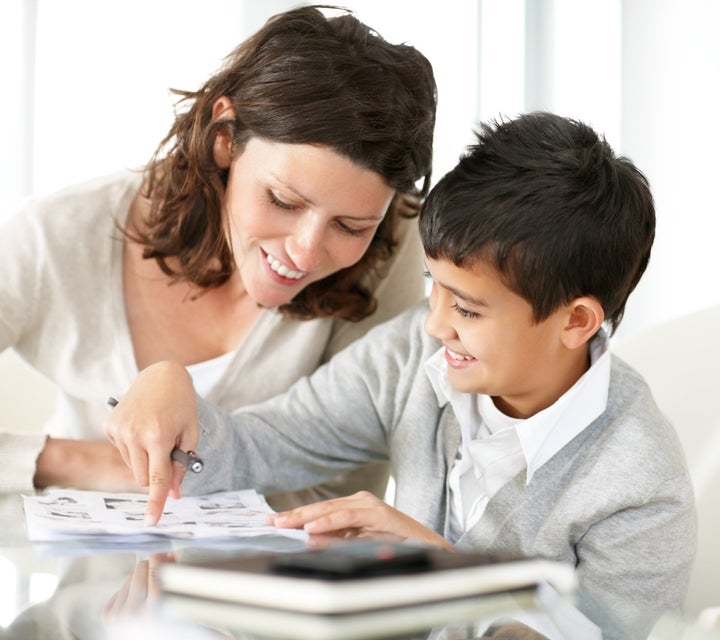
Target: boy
x,y
508,424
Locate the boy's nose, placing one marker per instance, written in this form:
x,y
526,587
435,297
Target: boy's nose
x,y
437,324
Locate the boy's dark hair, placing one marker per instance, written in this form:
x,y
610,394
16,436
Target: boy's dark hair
x,y
303,78
545,201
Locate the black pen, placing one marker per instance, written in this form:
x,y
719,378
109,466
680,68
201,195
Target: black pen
x,y
188,459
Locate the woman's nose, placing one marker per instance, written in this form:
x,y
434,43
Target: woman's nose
x,y
306,245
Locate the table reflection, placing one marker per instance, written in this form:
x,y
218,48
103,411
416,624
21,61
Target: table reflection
x,y
86,590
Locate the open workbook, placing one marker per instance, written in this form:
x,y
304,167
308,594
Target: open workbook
x,y
61,514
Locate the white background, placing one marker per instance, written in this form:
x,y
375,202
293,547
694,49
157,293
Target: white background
x,y
85,92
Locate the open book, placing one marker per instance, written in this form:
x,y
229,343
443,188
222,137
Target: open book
x,y
61,514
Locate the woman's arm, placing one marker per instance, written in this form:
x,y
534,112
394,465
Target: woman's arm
x,y
83,464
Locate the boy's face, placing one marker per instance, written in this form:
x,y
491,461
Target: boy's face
x,y
492,344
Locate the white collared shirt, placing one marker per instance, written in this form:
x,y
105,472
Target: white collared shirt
x,y
496,447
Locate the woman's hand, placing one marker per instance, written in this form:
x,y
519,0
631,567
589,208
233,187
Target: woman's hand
x,y
361,515
157,414
140,592
83,464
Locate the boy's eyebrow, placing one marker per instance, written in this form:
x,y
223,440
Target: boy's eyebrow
x,y
464,296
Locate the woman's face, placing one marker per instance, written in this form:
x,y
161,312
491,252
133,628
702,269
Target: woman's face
x,y
297,213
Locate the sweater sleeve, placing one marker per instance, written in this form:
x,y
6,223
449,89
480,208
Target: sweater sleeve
x,y
22,255
635,564
18,309
18,456
333,421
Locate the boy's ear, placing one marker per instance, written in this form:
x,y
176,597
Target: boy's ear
x,y
222,147
584,319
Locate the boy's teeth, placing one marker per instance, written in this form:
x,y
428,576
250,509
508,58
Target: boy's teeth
x,y
282,270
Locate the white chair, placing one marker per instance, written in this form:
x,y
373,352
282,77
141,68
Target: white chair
x,y
680,359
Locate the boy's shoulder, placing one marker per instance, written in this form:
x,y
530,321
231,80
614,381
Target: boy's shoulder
x,y
634,418
410,322
402,340
628,389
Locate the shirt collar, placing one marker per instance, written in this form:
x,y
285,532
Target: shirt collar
x,y
547,432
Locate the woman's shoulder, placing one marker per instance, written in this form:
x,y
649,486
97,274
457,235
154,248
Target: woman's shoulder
x,y
111,193
70,227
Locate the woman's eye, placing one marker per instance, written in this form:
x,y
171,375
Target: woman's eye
x,y
352,231
280,203
465,313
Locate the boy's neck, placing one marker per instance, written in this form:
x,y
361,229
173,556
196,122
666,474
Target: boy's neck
x,y
523,407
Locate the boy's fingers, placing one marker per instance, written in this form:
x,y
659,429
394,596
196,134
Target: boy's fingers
x,y
358,502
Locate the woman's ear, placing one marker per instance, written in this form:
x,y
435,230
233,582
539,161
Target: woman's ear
x,y
584,319
222,147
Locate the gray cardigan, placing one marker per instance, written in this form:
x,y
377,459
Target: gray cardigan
x,y
616,502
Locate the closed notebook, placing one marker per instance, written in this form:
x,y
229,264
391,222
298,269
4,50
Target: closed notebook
x,y
358,577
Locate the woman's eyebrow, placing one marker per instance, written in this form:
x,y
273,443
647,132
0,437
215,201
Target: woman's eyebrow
x,y
360,218
285,185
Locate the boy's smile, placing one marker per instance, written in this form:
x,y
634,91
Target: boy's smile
x,y
493,344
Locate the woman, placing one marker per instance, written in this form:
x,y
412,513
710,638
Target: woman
x,y
271,227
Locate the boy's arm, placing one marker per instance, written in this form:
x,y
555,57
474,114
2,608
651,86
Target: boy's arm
x,y
337,419
362,515
331,422
634,565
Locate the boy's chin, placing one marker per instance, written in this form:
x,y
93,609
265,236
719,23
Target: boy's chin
x,y
464,384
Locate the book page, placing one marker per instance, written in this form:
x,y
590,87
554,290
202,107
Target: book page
x,y
61,514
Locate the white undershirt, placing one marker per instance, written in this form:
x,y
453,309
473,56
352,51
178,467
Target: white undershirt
x,y
205,374
495,447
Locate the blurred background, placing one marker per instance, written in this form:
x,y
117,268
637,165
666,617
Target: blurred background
x,y
85,91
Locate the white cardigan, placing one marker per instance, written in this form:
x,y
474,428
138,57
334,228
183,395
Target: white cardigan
x,y
62,309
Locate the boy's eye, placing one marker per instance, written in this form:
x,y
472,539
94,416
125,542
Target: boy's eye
x,y
465,313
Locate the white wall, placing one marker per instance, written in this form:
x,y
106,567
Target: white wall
x,y
671,129
102,71
644,72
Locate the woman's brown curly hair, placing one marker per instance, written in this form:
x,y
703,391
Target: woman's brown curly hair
x,y
303,78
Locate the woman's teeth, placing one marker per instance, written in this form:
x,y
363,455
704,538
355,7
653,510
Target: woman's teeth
x,y
282,270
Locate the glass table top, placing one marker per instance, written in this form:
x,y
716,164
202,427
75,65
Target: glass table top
x,y
89,590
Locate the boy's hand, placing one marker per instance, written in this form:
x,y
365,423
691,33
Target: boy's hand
x,y
157,414
361,515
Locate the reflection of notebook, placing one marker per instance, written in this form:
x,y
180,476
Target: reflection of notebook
x,y
394,622
336,591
